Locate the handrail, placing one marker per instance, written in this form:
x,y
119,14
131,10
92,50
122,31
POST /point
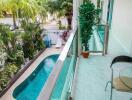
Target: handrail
x,y
49,85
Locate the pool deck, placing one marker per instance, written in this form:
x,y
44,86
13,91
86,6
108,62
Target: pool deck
x,y
91,78
47,52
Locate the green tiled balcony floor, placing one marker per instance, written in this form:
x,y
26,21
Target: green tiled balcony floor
x,y
93,73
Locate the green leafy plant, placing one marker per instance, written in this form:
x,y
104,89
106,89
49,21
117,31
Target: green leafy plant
x,y
28,46
16,57
87,14
38,42
68,11
20,8
4,36
7,74
32,39
9,40
62,8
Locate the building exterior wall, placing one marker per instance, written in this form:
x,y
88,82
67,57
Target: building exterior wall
x,y
104,12
76,4
120,37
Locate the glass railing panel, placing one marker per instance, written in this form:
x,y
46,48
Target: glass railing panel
x,y
66,93
101,32
96,42
62,89
57,91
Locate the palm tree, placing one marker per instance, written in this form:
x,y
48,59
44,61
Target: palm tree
x,y
10,6
43,8
68,11
62,8
26,8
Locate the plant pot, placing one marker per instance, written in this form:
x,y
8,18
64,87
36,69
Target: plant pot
x,y
85,54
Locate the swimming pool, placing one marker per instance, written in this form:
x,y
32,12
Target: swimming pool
x,y
30,88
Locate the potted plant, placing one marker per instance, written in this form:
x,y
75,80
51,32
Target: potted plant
x,y
87,14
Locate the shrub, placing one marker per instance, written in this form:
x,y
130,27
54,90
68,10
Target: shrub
x,y
6,75
38,42
32,40
28,46
15,56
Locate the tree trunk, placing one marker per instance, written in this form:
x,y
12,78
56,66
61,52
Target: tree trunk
x,y
14,20
69,20
68,15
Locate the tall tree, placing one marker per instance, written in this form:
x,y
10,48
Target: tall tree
x,y
43,9
26,8
60,7
68,11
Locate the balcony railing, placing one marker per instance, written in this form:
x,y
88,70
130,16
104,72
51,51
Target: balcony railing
x,y
99,38
59,83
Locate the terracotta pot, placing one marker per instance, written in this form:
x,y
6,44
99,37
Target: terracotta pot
x,y
85,54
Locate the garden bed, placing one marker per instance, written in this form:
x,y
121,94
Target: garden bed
x,y
18,74
18,46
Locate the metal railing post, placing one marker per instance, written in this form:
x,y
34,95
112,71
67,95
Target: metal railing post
x,y
105,48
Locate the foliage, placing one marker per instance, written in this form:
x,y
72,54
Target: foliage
x,y
9,71
15,56
32,39
38,42
26,9
68,11
9,39
4,36
61,27
53,6
28,46
67,6
62,8
87,13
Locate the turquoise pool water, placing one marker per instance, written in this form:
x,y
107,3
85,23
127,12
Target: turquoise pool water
x,y
31,87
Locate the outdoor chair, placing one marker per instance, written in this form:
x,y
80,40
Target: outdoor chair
x,y
115,82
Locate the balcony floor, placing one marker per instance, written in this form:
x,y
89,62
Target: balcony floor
x,y
92,75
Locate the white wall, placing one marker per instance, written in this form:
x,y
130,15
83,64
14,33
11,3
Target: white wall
x,y
104,12
76,4
79,2
120,39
